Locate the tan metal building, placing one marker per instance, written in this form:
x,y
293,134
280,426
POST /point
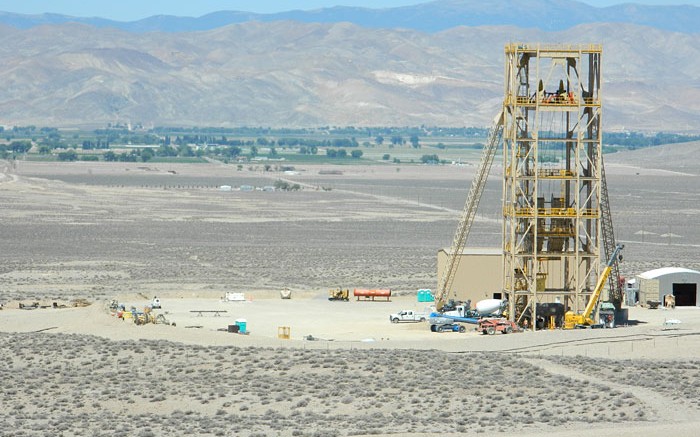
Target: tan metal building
x,y
479,274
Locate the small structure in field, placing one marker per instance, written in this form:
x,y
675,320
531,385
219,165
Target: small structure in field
x,y
234,297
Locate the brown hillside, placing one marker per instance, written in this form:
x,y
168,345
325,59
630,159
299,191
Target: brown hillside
x,y
293,74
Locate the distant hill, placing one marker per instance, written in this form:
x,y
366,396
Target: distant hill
x,y
291,74
434,16
680,157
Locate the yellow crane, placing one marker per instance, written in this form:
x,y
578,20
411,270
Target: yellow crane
x,y
573,320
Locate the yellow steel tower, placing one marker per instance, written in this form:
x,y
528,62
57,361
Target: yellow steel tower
x,y
552,146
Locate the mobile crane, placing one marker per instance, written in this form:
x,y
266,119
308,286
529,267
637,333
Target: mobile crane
x,y
584,320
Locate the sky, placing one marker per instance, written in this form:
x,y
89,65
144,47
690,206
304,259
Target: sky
x,y
129,10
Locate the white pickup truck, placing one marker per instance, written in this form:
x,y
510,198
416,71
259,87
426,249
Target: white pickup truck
x,y
407,316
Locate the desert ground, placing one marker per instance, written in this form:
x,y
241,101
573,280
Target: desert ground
x,y
103,231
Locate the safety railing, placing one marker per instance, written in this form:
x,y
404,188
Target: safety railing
x,y
555,173
527,47
552,99
551,212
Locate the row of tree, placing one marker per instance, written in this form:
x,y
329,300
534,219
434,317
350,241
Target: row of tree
x,y
358,132
342,153
148,153
636,140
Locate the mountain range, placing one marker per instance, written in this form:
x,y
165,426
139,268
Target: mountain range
x,y
290,73
433,16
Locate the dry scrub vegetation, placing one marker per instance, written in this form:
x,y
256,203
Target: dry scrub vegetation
x,y
97,241
98,230
89,386
679,380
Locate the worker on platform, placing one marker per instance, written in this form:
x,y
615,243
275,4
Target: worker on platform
x,y
561,93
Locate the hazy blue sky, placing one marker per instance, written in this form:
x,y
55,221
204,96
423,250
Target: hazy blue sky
x,y
126,10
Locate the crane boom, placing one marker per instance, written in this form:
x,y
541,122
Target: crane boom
x,y
601,281
469,212
572,320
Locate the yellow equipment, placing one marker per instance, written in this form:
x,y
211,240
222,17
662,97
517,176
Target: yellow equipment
x,y
144,318
284,332
572,320
338,294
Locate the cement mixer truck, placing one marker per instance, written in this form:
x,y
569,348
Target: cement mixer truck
x,y
452,315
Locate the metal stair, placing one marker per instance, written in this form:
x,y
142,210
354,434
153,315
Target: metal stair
x,y
469,212
615,287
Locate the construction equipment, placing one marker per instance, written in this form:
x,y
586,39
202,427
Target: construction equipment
x,y
339,294
606,314
142,318
491,326
162,320
80,303
284,332
584,320
451,327
469,212
451,317
488,307
549,315
454,328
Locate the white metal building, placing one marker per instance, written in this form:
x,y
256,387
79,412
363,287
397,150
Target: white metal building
x,y
680,282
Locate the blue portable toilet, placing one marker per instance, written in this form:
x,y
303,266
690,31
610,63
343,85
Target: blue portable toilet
x,y
425,295
242,324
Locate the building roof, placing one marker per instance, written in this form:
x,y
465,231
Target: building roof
x,y
653,274
476,250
